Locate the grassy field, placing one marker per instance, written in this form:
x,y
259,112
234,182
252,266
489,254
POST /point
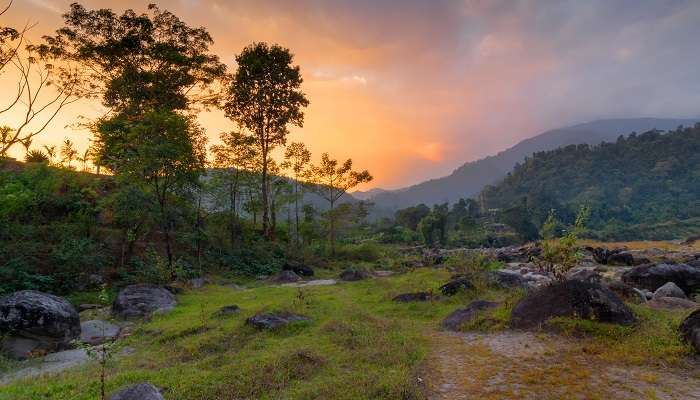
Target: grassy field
x,y
360,345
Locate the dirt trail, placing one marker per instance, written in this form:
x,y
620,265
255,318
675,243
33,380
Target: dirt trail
x,y
520,365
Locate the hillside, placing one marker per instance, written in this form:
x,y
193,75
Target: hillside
x,y
472,177
634,186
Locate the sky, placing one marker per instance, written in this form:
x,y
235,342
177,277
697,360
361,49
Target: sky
x,y
410,90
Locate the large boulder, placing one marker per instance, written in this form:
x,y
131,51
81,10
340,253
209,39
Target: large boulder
x,y
410,297
690,329
275,320
669,289
286,277
461,316
142,391
571,298
36,321
653,276
142,300
354,274
621,257
96,332
455,285
298,268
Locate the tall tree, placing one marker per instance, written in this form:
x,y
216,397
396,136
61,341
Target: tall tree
x,y
234,159
296,159
331,181
68,152
137,63
265,97
166,156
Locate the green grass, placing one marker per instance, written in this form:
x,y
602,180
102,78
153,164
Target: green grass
x,y
359,345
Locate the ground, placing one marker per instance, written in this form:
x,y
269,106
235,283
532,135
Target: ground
x,y
361,345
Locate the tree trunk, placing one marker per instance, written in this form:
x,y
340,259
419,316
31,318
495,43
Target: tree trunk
x,y
332,230
296,210
265,210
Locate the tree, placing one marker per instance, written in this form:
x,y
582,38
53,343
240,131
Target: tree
x,y
331,182
411,216
36,156
43,88
264,97
50,152
233,159
165,153
68,152
135,62
296,159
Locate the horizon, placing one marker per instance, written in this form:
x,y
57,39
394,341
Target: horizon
x,y
371,100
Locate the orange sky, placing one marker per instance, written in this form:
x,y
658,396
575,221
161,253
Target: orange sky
x,y
412,89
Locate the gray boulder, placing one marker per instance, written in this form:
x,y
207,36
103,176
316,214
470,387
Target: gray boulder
x,y
455,285
286,277
653,276
96,332
670,289
570,298
410,297
353,274
586,275
36,321
690,329
142,391
275,320
463,315
142,300
506,279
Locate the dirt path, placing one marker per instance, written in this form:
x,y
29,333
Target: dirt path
x,y
519,365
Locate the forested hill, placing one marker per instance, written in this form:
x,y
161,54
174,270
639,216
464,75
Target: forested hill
x,y
469,179
641,186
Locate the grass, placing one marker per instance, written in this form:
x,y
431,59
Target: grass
x,y
645,244
360,344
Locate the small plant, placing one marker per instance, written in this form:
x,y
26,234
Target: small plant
x,y
561,255
104,352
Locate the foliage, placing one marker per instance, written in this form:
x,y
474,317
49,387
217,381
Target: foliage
x,y
630,185
560,255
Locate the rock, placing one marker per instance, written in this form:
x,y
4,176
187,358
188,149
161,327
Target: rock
x,y
383,274
644,295
653,276
670,289
409,297
142,391
506,279
286,277
621,258
227,310
317,282
586,275
690,329
616,257
85,307
142,300
455,285
570,298
353,274
298,268
36,320
671,303
275,320
463,315
51,364
623,290
97,332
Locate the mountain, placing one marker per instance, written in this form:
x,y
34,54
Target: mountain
x,y
368,194
644,186
469,179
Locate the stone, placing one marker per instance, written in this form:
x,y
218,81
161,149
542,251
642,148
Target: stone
x,y
461,316
298,268
142,300
690,329
227,310
353,274
317,282
506,279
671,303
586,275
409,297
570,298
96,332
455,285
275,320
37,321
670,289
286,277
198,283
653,276
142,391
623,290
50,364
